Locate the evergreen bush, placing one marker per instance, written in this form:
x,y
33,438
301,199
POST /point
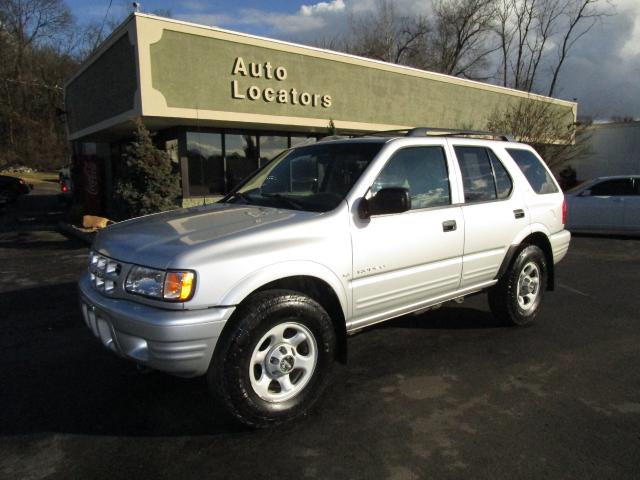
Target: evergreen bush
x,y
148,182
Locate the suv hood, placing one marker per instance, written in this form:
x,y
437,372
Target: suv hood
x,y
155,240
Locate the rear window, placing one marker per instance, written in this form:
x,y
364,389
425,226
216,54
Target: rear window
x,y
533,169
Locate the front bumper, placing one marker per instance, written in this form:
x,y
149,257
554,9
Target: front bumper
x,y
180,342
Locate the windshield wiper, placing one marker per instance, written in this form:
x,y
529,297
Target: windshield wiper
x,y
287,200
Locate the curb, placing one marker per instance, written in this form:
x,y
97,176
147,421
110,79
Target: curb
x,y
73,232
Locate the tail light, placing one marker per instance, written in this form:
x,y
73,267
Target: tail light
x,y
64,188
22,181
564,211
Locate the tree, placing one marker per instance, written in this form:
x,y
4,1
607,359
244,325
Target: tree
x,y
582,15
32,72
550,131
461,38
460,42
148,183
331,128
452,36
536,33
384,35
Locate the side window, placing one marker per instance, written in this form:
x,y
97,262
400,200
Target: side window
x,y
504,185
537,176
477,174
616,187
421,170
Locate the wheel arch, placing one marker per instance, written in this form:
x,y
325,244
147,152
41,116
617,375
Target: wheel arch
x,y
539,239
317,284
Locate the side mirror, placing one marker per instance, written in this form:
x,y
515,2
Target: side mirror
x,y
585,193
385,202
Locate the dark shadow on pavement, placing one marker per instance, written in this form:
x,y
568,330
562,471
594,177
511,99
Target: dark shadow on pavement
x,y
605,236
23,242
58,378
448,317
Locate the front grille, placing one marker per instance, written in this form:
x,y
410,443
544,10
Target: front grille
x,y
104,273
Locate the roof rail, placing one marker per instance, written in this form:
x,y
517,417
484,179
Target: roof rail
x,y
401,132
439,132
423,132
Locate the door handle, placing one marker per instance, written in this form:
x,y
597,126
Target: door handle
x,y
518,213
449,226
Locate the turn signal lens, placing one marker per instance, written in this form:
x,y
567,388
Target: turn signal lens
x,y
179,286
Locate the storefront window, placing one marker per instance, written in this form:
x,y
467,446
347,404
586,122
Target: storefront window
x,y
296,141
217,162
270,146
206,165
241,155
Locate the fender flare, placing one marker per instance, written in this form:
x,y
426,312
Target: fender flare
x,y
515,246
253,281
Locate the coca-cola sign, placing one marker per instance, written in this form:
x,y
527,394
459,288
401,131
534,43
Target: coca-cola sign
x,y
91,186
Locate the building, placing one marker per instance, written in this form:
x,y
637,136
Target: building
x,y
223,102
612,149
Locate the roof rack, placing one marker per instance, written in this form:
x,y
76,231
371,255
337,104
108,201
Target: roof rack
x,y
439,132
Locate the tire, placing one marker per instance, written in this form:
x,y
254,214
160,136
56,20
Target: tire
x,y
274,360
516,298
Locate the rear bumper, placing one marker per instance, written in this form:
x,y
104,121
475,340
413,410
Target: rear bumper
x,y
180,342
560,244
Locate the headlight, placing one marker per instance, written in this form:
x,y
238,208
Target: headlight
x,y
145,281
103,272
172,286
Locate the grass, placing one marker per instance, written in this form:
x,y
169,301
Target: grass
x,y
36,177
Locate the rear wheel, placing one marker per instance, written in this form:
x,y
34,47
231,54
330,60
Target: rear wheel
x,y
274,361
516,298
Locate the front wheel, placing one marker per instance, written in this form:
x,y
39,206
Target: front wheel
x,y
274,360
516,298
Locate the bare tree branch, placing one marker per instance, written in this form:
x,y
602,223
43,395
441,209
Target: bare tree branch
x,y
577,11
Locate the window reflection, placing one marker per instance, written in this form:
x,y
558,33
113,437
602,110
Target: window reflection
x,y
422,171
297,141
241,154
270,146
477,175
206,167
217,162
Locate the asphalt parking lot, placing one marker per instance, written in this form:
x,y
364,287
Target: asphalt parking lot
x,y
447,394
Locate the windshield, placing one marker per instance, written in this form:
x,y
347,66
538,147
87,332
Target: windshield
x,y
314,178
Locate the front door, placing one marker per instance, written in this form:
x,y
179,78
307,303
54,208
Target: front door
x,y
402,261
602,206
632,208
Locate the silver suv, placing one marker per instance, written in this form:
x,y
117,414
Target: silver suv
x,y
259,291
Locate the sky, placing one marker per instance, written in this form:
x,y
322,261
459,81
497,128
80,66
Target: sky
x,y
602,71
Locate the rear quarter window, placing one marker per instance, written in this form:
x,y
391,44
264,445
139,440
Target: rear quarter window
x,y
534,171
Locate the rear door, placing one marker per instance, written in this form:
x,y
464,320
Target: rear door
x,y
494,213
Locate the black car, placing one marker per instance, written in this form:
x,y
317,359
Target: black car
x,y
12,187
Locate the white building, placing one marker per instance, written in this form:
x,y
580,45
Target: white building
x,y
614,149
